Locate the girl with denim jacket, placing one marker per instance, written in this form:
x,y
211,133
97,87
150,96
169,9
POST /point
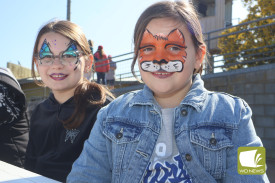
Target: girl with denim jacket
x,y
174,130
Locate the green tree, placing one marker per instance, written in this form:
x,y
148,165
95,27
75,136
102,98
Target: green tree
x,y
251,45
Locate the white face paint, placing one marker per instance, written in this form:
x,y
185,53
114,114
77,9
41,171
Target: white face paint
x,y
172,66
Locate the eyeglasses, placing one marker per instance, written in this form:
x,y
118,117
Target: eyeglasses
x,y
66,58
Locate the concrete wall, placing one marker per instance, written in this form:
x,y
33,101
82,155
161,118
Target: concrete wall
x,y
257,87
18,71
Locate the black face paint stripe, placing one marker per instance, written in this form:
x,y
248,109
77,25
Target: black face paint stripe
x,y
76,64
146,46
175,45
162,61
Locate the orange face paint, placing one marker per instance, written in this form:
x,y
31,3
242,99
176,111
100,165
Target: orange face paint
x,y
162,53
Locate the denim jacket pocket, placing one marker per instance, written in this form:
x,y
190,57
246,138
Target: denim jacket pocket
x,y
124,134
121,130
211,144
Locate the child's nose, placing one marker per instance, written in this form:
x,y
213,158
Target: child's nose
x,y
161,55
57,61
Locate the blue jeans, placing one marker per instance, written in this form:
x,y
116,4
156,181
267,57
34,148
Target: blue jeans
x,y
101,76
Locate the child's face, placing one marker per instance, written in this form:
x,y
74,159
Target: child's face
x,y
59,75
167,57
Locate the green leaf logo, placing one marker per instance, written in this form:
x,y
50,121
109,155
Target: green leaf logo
x,y
251,160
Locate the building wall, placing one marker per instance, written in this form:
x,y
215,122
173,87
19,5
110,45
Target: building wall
x,y
217,21
34,92
257,87
228,13
18,71
220,19
211,23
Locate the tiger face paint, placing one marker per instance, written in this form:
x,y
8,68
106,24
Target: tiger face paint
x,y
162,53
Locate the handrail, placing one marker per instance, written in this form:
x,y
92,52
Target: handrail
x,y
122,66
262,55
237,32
245,23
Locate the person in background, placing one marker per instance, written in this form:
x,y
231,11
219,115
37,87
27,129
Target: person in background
x,y
60,124
91,44
110,75
174,129
14,121
90,74
101,65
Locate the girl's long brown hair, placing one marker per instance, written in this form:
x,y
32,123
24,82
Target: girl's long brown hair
x,y
87,93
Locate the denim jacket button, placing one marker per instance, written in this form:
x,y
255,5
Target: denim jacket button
x,y
213,141
188,157
184,112
119,135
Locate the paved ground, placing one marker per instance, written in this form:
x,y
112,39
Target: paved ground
x,y
271,170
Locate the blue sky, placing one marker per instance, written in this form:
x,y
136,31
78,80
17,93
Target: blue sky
x,y
107,22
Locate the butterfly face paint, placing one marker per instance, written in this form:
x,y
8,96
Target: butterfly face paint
x,y
72,47
67,57
45,50
161,53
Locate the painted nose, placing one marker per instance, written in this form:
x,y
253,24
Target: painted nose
x,y
161,55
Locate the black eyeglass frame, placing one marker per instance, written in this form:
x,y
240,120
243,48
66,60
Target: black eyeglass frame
x,y
78,55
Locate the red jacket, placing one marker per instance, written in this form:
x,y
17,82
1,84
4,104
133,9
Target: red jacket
x,y
101,64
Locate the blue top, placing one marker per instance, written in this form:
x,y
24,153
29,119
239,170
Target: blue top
x,y
209,127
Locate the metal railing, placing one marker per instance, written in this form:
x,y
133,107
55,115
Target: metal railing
x,y
217,62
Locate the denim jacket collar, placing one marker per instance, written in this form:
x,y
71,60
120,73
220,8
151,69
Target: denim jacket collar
x,y
195,97
197,94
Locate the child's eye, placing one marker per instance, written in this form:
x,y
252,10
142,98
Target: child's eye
x,y
174,49
69,54
47,55
147,50
69,57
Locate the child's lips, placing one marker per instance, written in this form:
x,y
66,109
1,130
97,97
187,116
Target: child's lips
x,y
162,75
58,76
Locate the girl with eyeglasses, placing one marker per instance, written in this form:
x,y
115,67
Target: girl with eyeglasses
x,y
61,123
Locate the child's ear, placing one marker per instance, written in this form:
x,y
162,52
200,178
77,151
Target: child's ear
x,y
200,56
89,63
201,53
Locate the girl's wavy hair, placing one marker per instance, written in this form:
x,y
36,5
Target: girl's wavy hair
x,y
180,11
87,93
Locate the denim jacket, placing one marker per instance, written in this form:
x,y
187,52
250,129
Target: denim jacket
x,y
209,127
